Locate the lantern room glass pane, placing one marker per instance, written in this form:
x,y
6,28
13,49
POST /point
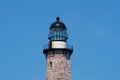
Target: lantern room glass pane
x,y
58,34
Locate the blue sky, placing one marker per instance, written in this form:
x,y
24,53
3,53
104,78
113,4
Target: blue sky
x,y
93,28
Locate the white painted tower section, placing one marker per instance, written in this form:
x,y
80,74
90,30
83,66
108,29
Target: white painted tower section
x,y
58,44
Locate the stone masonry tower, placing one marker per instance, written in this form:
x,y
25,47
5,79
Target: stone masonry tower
x,y
58,53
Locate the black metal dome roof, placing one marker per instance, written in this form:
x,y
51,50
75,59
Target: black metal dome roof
x,y
58,24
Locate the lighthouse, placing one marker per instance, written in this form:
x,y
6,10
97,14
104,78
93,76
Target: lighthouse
x,y
58,52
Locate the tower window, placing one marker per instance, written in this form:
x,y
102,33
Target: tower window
x,y
58,78
66,54
50,65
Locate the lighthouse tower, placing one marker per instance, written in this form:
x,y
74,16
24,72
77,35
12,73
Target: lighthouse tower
x,y
58,52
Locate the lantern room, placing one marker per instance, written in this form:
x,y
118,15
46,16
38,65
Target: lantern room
x,y
58,31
